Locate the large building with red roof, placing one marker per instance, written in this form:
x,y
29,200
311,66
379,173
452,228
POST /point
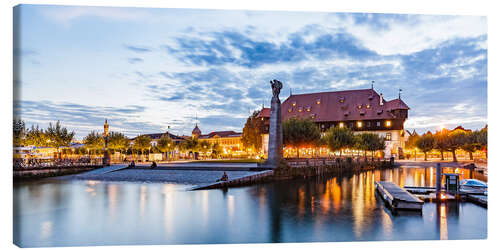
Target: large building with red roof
x,y
362,110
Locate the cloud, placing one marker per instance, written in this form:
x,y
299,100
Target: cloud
x,y
137,49
85,118
66,14
134,60
236,48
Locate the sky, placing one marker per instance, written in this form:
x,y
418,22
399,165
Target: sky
x,y
153,70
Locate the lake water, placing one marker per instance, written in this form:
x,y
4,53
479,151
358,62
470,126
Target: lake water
x,y
334,208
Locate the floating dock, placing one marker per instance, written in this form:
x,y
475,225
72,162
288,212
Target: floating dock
x,y
398,198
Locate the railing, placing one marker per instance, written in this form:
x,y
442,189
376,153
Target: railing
x,y
22,164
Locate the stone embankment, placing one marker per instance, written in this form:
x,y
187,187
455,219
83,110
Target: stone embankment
x,y
300,168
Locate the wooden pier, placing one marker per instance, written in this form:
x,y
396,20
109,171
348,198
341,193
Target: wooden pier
x,y
398,198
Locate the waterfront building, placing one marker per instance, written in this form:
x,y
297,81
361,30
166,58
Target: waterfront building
x,y
362,110
230,141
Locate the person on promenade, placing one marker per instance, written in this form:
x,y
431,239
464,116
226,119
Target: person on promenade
x,y
132,164
224,177
153,165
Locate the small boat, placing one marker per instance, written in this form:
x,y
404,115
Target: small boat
x,y
473,186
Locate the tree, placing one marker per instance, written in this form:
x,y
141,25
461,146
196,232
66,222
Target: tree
x,y
441,142
35,137
165,144
19,132
252,132
142,143
454,141
411,144
58,136
339,139
299,133
93,141
471,142
205,147
191,145
216,149
371,142
425,143
118,141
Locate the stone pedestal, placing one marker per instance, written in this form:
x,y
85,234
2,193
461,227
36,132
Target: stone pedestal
x,y
275,149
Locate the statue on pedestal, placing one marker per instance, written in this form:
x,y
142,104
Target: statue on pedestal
x,y
106,161
275,152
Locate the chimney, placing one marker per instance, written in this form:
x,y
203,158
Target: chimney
x,y
381,99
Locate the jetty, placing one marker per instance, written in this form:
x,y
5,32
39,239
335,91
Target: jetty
x,y
397,198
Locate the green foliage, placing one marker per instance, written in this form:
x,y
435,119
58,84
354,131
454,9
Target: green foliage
x,y
205,147
300,132
252,132
191,145
425,143
216,149
35,137
58,136
19,132
142,143
118,141
338,139
93,141
453,142
370,142
165,144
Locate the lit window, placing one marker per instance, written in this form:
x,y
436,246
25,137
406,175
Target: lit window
x,y
388,123
368,106
308,109
359,124
360,106
318,101
388,136
300,109
294,103
313,116
290,110
341,125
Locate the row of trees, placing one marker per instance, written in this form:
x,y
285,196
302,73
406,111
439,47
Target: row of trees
x,y
54,136
299,133
449,141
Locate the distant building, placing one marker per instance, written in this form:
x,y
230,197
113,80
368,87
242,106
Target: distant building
x,y
229,141
361,110
156,136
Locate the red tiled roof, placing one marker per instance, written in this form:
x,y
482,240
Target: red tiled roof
x,y
346,105
264,112
220,134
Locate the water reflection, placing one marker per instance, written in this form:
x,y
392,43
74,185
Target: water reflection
x,y
340,207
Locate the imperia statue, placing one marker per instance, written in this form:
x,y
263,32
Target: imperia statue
x,y
276,86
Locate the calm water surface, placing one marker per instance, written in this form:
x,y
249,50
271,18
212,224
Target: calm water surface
x,y
335,208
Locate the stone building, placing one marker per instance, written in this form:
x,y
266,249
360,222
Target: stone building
x,y
362,110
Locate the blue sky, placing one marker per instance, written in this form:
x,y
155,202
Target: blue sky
x,y
146,69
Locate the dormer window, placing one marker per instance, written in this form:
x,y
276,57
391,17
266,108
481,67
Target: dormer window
x,y
362,112
370,97
294,103
290,110
318,101
379,112
360,106
368,106
308,109
313,116
300,109
341,99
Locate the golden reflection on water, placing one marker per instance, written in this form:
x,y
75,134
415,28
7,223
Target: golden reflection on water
x,y
302,201
230,207
46,230
363,201
142,200
443,224
112,198
168,209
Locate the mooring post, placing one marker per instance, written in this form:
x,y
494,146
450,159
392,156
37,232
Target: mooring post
x,y
438,180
